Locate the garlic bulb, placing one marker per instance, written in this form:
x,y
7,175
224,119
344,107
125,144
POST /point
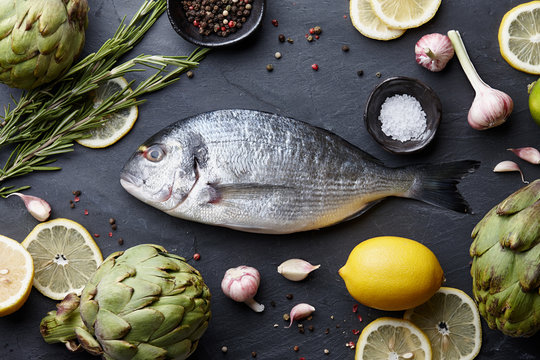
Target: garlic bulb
x,y
433,51
241,284
296,269
490,107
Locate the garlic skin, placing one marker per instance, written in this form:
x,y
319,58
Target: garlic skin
x,y
241,285
38,208
433,51
528,154
490,107
509,166
300,311
296,269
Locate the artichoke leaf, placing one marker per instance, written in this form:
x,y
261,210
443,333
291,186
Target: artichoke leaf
x,y
109,326
523,232
190,324
147,351
118,349
486,233
143,324
521,199
492,268
88,342
173,315
529,277
144,293
51,17
181,349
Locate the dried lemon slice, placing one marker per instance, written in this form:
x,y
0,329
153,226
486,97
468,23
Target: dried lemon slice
x,y
519,37
405,14
65,257
389,338
364,20
16,275
117,124
451,321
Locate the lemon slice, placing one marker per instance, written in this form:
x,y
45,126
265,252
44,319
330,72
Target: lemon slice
x,y
451,321
405,14
389,338
16,275
519,37
65,257
364,20
117,124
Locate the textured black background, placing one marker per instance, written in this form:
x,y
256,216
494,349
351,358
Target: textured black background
x,y
333,98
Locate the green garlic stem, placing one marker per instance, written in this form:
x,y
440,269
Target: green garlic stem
x,y
459,47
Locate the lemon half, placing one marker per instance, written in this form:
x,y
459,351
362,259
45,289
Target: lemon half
x,y
451,321
16,275
389,338
65,257
117,124
364,20
519,37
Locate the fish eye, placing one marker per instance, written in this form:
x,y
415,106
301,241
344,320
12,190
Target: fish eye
x,y
154,153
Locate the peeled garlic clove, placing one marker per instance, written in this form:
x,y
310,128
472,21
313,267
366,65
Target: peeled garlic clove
x,y
300,311
38,208
296,269
508,166
529,154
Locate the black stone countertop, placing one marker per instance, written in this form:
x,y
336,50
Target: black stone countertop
x,y
333,98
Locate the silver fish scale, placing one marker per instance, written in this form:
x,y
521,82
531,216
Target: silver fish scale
x,y
275,174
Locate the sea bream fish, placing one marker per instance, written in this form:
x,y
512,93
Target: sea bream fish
x,y
258,172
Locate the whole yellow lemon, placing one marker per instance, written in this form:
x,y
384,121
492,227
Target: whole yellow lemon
x,y
392,273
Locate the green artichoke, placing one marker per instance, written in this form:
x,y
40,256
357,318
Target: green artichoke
x,y
506,263
143,303
39,39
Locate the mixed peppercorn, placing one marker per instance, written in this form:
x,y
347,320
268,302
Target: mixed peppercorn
x,y
219,17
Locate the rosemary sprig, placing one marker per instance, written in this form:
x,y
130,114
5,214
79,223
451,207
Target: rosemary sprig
x,y
45,122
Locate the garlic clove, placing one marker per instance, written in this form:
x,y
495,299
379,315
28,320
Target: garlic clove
x,y
300,311
296,269
529,154
38,208
509,166
433,51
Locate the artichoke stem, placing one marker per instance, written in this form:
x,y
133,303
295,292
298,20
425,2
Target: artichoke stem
x,y
55,330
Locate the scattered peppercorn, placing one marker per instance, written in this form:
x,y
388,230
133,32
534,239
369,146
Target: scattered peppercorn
x,y
224,349
253,354
355,332
301,330
311,328
196,256
317,30
296,348
270,67
327,331
189,74
289,296
360,72
290,41
281,38
110,234
112,221
71,205
96,235
114,226
286,317
273,303
345,48
359,318
310,38
85,212
378,74
76,199
120,241
317,37
275,23
326,351
77,192
315,67
277,55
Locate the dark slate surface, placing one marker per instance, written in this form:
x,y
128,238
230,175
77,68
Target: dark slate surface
x,y
333,98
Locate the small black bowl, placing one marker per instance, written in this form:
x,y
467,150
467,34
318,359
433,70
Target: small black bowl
x,y
185,29
428,99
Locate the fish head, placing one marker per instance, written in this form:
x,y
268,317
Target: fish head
x,y
161,172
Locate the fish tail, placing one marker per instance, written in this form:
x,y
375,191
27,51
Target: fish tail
x,y
437,184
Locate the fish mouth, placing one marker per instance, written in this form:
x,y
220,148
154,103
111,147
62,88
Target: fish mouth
x,y
133,185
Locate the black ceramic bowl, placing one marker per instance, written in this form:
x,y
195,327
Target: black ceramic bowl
x,y
428,99
185,29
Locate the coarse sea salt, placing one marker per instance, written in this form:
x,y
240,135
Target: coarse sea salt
x,y
402,118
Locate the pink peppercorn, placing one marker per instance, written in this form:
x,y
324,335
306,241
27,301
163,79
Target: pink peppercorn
x,y
315,67
196,256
